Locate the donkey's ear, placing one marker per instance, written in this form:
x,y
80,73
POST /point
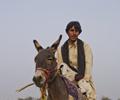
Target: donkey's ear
x,y
37,45
56,44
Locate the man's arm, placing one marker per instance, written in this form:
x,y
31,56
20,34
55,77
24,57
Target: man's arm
x,y
88,62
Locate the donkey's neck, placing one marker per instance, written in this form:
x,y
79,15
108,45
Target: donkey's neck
x,y
57,89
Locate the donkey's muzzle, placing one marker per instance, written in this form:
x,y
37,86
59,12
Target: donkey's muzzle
x,y
39,81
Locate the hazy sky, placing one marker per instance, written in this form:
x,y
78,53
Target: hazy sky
x,y
21,21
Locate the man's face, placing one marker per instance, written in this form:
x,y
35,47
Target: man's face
x,y
73,34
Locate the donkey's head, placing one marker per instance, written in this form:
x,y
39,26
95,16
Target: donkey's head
x,y
46,64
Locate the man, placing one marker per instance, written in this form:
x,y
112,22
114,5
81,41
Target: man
x,y
77,55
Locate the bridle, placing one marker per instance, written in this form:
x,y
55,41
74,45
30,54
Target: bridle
x,y
47,73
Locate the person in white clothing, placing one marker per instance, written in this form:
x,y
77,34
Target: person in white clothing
x,y
77,58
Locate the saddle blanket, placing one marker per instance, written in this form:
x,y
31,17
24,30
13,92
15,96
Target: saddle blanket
x,y
72,89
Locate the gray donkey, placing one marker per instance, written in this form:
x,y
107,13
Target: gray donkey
x,y
47,73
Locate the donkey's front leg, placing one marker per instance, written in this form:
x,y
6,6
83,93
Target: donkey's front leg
x,y
49,97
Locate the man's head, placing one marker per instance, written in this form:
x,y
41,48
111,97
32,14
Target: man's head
x,y
73,29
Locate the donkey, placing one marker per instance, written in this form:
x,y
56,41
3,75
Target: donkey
x,y
47,73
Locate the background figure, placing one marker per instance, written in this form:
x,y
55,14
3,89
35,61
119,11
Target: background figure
x,y
78,59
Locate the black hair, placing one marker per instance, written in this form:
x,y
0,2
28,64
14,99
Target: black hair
x,y
76,24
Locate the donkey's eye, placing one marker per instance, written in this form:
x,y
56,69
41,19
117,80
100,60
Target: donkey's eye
x,y
50,58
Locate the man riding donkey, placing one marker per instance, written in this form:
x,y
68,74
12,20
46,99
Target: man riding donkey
x,y
77,57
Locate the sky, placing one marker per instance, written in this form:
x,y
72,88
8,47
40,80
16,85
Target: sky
x,y
22,21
